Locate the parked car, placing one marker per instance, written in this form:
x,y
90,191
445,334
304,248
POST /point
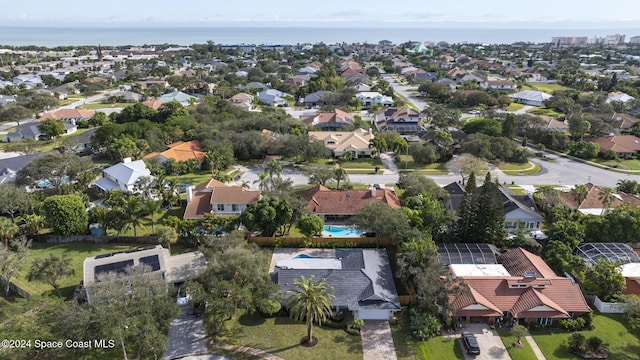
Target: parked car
x,y
183,297
470,343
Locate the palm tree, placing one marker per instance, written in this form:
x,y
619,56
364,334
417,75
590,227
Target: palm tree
x,y
579,193
628,186
378,145
144,185
607,195
244,184
311,301
152,207
273,168
132,212
399,145
262,181
8,230
340,174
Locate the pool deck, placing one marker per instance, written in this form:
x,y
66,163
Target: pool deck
x,y
288,253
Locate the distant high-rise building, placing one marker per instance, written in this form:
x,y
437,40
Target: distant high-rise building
x,y
616,39
634,40
569,40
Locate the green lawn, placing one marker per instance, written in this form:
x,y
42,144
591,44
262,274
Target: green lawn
x,y
544,111
146,228
517,190
514,107
193,179
76,251
361,163
407,348
281,336
519,169
516,353
630,164
609,327
549,88
406,162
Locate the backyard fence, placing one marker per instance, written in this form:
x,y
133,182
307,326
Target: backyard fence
x,y
47,238
608,307
320,242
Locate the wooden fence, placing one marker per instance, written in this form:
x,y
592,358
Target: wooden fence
x,y
321,242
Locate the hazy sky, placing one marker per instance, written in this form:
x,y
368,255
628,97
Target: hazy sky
x,y
372,13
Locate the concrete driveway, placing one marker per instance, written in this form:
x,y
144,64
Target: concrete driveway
x,y
491,346
187,337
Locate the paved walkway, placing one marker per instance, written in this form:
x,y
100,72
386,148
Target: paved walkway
x,y
377,342
534,347
246,350
389,164
186,336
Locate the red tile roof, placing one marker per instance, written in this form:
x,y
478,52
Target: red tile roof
x,y
518,261
633,287
181,151
337,116
323,200
593,201
68,114
155,105
618,143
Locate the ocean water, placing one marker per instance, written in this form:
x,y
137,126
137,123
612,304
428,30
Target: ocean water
x,y
59,36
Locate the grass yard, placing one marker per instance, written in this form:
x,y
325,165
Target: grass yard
x,y
193,179
76,251
362,163
630,164
146,227
549,88
407,348
406,162
281,336
519,169
524,353
517,190
514,107
611,328
544,111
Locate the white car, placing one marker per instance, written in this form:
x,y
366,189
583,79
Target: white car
x,y
183,297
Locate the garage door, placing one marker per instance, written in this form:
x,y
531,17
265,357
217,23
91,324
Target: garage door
x,y
372,314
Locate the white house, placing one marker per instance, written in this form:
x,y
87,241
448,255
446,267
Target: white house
x,y
370,98
123,176
530,97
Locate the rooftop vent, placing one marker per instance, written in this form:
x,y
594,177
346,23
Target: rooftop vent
x,y
530,274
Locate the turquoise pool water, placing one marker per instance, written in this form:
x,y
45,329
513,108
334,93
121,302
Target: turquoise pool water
x,y
341,231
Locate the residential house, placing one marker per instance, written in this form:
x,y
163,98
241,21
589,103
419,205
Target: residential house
x,y
255,86
242,100
519,211
67,89
501,85
624,146
299,80
623,122
68,115
9,167
472,77
336,206
356,79
125,97
419,49
155,105
619,97
329,121
30,131
368,99
6,100
182,98
363,88
273,97
145,84
521,289
421,75
123,176
342,142
215,197
29,81
403,120
592,204
625,255
458,136
447,82
361,279
314,99
307,70
179,151
530,97
173,269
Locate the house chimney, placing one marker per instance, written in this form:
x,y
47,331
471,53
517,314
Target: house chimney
x,y
189,194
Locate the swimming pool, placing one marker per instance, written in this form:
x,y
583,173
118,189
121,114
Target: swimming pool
x,y
341,231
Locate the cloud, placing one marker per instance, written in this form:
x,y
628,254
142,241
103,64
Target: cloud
x,y
348,13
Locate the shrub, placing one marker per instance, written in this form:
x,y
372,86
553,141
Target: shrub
x,y
577,343
424,325
576,324
595,344
354,327
269,307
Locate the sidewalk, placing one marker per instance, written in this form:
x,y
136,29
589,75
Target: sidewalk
x,y
534,347
377,342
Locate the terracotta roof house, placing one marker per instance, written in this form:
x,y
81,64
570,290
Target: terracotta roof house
x,y
215,197
341,142
180,151
623,145
623,121
329,121
522,288
155,105
68,115
592,204
361,279
403,120
340,205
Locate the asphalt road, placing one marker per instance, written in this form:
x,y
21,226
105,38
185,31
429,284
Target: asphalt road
x,y
404,91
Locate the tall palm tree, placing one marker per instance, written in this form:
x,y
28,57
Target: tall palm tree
x,y
132,211
152,207
311,301
273,168
340,174
145,186
262,181
579,193
378,145
607,195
